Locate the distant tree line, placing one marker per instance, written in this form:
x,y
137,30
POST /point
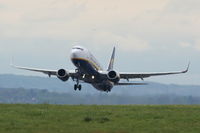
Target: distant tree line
x,y
38,96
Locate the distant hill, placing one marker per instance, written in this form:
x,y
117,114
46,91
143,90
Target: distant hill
x,y
40,96
29,89
30,82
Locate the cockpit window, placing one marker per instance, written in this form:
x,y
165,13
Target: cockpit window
x,y
78,48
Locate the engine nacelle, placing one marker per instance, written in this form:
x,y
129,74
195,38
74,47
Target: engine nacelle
x,y
113,76
62,75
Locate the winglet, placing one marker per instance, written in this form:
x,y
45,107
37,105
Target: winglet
x,y
13,65
187,68
110,67
11,62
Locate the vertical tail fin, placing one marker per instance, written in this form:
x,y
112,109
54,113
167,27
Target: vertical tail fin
x,y
110,67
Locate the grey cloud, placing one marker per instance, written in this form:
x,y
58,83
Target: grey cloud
x,y
1,6
184,6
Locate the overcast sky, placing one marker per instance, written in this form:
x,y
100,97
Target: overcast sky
x,y
150,35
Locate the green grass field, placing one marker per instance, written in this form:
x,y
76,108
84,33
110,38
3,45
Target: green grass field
x,y
17,118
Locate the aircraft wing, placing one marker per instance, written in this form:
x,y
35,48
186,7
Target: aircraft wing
x,y
146,75
45,71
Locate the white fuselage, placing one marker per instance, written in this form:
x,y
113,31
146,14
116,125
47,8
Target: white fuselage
x,y
88,65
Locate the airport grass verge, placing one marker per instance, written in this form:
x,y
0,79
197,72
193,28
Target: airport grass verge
x,y
45,118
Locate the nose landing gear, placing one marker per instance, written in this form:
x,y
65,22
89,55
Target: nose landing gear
x,y
77,86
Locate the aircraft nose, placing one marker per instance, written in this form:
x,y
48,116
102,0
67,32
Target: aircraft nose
x,y
75,54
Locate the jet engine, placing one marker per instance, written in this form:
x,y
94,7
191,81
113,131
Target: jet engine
x,y
63,75
113,76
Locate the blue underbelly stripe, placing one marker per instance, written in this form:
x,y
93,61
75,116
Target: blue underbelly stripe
x,y
85,66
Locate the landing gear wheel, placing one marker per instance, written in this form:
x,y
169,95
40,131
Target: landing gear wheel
x,y
75,87
108,90
79,87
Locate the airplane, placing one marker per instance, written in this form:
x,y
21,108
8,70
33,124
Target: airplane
x,y
88,70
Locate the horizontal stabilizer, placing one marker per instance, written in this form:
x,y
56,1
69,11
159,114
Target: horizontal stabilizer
x,y
131,84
